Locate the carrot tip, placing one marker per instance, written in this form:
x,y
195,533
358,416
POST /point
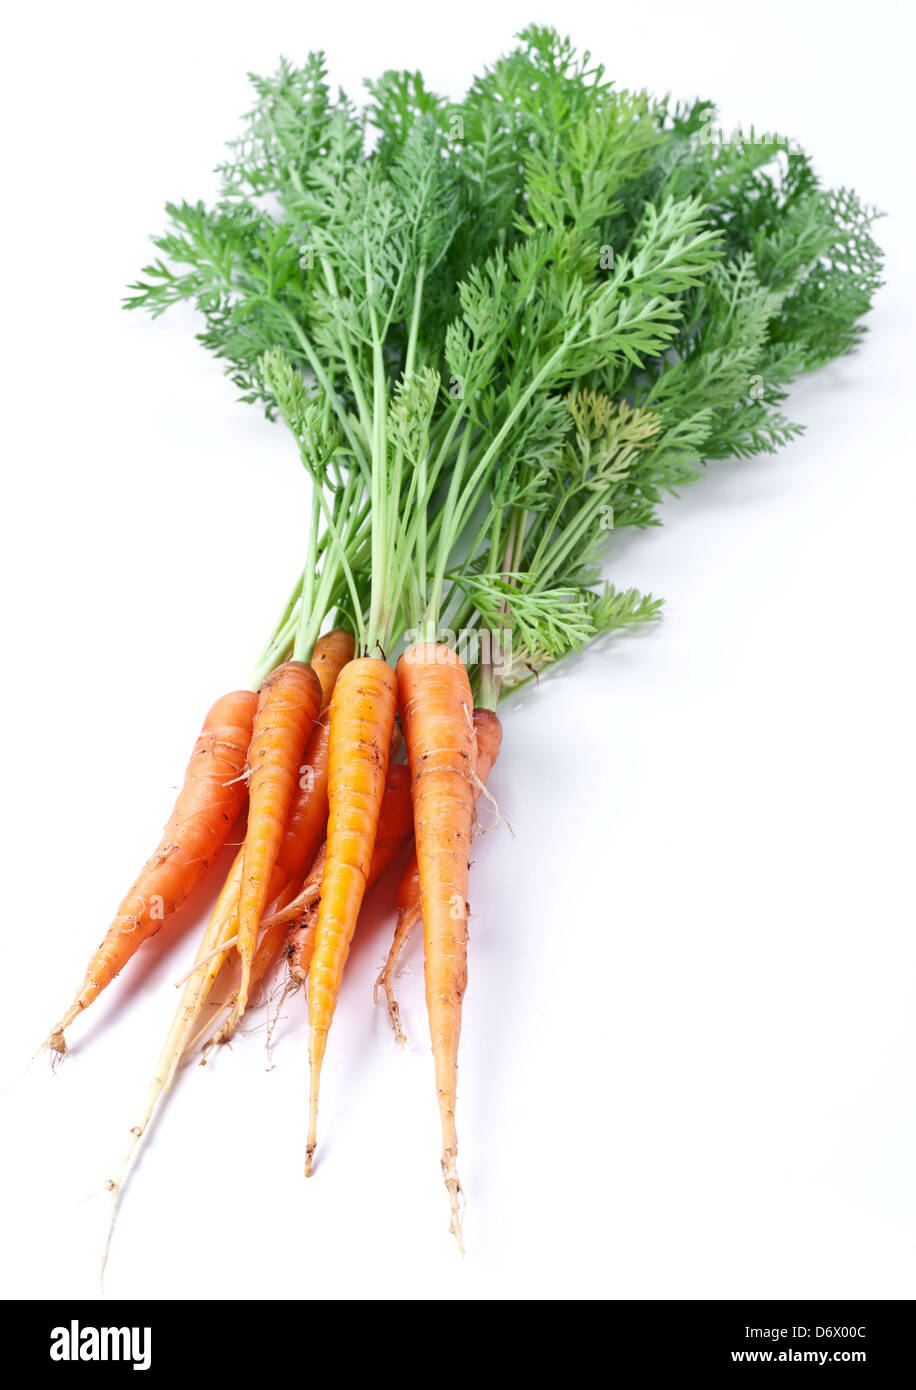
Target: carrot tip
x,y
454,1224
394,1013
57,1043
383,982
45,1047
312,1142
455,1195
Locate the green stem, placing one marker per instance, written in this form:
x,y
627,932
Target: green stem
x,y
431,619
362,404
490,680
341,554
302,648
499,439
265,664
414,334
324,382
382,520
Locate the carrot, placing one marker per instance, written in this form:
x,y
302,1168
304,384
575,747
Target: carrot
x,y
308,814
362,719
489,737
195,993
436,716
208,804
409,914
274,931
296,920
272,939
294,913
394,827
300,939
395,822
287,707
332,651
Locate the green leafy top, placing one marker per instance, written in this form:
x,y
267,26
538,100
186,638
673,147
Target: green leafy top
x,y
509,326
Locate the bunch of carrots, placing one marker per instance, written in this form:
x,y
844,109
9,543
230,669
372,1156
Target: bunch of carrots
x,y
498,331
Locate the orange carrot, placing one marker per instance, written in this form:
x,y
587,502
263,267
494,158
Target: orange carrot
x,y
287,706
305,824
308,814
274,932
331,653
211,798
274,935
197,987
294,913
300,938
436,715
395,823
394,826
489,737
362,719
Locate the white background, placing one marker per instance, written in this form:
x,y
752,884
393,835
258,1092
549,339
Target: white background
x,y
688,1063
